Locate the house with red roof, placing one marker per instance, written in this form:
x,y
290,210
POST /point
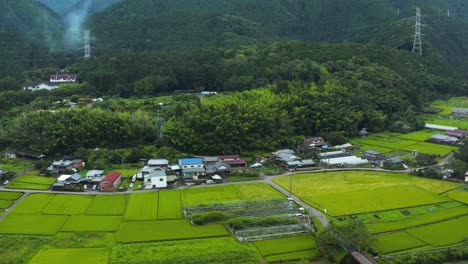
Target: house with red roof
x,y
111,182
233,160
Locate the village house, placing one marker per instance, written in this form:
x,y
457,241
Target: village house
x,y
218,168
155,180
54,82
313,142
30,155
94,173
61,166
333,154
458,133
233,160
111,182
161,163
10,153
147,170
460,112
66,182
210,160
374,157
193,169
466,176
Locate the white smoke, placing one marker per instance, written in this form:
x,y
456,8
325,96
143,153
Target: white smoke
x,y
74,24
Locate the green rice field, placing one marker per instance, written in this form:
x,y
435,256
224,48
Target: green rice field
x,y
284,245
362,201
229,193
404,223
395,242
444,233
72,255
142,206
352,192
107,205
31,182
169,205
92,223
7,198
140,231
459,195
68,204
10,196
5,204
211,250
32,224
291,257
34,203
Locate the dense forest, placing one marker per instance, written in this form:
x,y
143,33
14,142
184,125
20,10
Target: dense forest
x,y
279,81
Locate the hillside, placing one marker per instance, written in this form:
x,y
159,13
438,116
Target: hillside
x,y
28,32
184,24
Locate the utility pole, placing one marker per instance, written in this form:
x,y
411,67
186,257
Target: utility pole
x,y
398,11
159,120
417,43
87,44
448,13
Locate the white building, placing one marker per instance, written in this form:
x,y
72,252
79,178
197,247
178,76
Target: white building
x,y
155,180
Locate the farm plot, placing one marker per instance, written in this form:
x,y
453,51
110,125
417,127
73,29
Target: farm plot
x,y
10,196
68,204
407,222
15,165
211,250
34,203
387,142
5,204
72,255
422,135
31,182
107,205
169,205
444,233
32,224
394,242
140,231
292,256
431,149
459,195
363,201
285,245
7,198
142,206
248,192
92,223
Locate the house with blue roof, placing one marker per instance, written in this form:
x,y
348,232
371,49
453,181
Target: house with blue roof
x,y
193,169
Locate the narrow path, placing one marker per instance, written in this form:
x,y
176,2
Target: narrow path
x,y
323,219
15,203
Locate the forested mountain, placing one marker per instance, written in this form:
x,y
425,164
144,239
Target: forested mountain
x,y
184,24
29,32
62,7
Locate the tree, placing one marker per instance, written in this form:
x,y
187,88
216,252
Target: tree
x,y
355,231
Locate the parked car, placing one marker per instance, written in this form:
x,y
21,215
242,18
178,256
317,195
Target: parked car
x,y
210,182
94,187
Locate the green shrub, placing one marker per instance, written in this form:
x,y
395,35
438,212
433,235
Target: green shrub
x,y
246,222
210,217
